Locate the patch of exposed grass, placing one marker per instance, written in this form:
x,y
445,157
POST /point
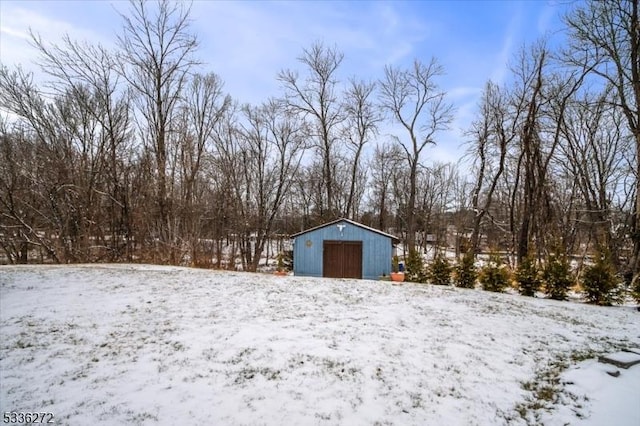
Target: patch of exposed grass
x,y
546,388
247,374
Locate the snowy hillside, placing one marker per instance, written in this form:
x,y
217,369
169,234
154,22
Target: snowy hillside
x,y
125,344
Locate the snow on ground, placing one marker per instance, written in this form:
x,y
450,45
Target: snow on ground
x,y
129,344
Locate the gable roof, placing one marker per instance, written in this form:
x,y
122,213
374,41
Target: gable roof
x,y
394,239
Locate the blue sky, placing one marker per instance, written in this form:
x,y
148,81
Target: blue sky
x,y
248,42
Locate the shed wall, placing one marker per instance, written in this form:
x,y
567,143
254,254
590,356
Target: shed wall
x,y
376,250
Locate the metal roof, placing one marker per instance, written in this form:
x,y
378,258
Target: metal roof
x,y
394,239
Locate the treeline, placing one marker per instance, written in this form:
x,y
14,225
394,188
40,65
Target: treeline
x,y
136,154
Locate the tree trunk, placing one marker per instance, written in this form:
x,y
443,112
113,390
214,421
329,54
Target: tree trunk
x,y
411,207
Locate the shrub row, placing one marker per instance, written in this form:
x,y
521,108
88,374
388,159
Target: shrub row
x,y
599,282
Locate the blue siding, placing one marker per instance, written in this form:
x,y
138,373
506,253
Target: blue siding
x,y
376,250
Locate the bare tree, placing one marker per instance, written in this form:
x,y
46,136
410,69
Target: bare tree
x,y
540,100
221,173
530,74
595,148
492,134
515,141
69,173
156,57
202,108
24,217
361,124
606,37
315,97
436,202
262,161
414,100
81,68
383,165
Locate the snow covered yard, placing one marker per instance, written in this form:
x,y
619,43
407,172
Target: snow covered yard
x,y
130,344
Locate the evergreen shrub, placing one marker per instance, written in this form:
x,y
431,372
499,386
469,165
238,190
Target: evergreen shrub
x,y
528,277
465,272
600,283
440,270
415,268
556,277
494,276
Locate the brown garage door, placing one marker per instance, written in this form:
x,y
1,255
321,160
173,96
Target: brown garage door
x,y
342,259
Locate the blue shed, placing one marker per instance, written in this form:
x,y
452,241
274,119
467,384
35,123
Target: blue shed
x,y
342,249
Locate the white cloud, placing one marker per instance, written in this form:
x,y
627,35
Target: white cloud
x,y
545,18
463,92
14,33
16,23
501,69
14,40
248,43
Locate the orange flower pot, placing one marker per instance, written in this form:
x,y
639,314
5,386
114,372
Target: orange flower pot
x,y
397,276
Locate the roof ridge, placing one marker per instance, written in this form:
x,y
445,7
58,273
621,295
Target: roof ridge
x,y
353,222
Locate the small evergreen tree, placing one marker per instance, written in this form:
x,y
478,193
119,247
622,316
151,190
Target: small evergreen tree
x,y
557,278
600,283
395,262
465,271
635,290
528,277
415,268
440,270
494,276
280,262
